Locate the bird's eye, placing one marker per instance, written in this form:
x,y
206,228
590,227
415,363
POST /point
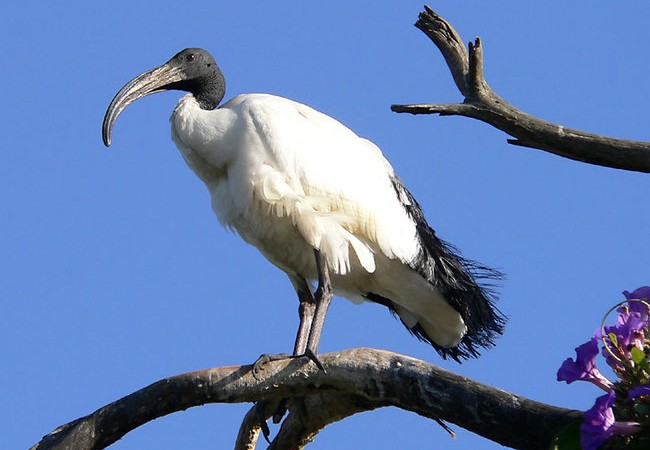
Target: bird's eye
x,y
190,57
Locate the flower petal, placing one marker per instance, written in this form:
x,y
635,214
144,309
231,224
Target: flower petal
x,y
584,367
597,421
642,293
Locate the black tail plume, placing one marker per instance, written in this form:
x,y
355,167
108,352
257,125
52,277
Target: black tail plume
x,y
466,285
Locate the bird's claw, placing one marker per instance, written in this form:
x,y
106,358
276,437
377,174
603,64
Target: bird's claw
x,y
258,366
280,408
312,356
266,358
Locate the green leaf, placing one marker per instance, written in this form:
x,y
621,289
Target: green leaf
x,y
637,355
613,339
568,438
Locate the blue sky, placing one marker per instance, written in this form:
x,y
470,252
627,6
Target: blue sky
x,y
114,272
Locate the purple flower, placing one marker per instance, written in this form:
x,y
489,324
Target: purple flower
x,y
629,330
639,309
584,367
643,293
598,424
597,421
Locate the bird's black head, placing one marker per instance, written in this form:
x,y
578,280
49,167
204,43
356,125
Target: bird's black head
x,y
192,70
199,75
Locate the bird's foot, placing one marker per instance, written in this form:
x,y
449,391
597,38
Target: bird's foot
x,y
258,366
278,407
267,358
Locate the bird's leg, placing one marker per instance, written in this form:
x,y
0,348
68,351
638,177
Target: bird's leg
x,y
323,298
312,311
306,311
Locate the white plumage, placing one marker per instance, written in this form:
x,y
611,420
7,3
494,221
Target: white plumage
x,y
292,181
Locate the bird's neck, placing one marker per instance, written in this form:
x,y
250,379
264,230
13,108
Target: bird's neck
x,y
199,135
210,91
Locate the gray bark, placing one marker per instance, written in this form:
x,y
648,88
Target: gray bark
x,y
482,103
356,380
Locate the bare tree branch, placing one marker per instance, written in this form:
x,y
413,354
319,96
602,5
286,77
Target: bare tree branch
x,y
249,430
309,415
356,380
482,103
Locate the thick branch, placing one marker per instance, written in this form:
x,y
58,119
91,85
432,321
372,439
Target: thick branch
x,y
482,103
366,378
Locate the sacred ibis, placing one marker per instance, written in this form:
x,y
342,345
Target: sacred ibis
x,y
323,205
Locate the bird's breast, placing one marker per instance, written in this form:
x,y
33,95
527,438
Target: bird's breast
x,y
204,138
238,206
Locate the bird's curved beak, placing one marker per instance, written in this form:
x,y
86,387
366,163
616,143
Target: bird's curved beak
x,y
150,82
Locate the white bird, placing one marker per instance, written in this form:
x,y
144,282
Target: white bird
x,y
322,204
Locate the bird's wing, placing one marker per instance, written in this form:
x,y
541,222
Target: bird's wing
x,y
336,186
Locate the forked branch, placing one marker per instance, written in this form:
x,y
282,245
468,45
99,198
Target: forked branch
x,y
356,380
482,103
